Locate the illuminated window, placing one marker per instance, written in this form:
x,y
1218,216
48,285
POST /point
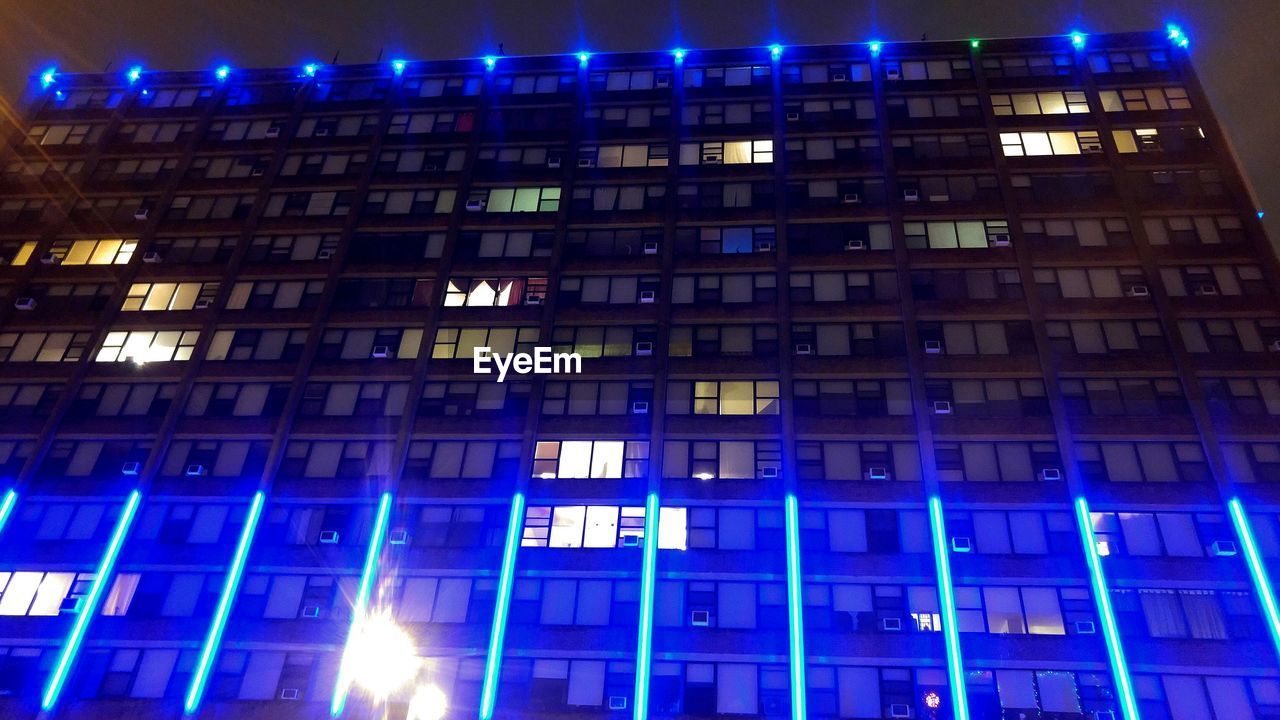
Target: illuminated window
x,y
738,152
524,199
1019,144
1137,99
142,346
21,255
494,292
462,342
600,526
168,296
1040,103
97,252
591,459
739,397
41,594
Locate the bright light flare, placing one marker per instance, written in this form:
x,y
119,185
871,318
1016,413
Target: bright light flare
x,y
428,703
381,656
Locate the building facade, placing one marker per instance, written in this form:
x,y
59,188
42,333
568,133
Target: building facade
x,y
926,380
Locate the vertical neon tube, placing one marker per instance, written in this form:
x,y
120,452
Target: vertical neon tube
x,y
195,692
1119,667
71,647
644,647
946,594
493,662
795,609
6,506
343,685
1257,570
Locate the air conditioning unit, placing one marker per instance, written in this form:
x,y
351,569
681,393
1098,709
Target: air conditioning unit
x,y
878,473
1086,627
151,257
322,132
553,163
195,470
651,248
324,254
70,605
662,82
961,544
891,624
617,702
839,77
398,537
273,131
804,349
939,198
644,349
475,205
49,259
766,246
310,611
1000,240
768,472
25,303
712,158
700,618
639,407
203,303
941,407
534,298
932,347
793,116
1223,548
586,162
1274,346
1206,289
1137,291
289,694
855,245
142,213
258,170
893,74
329,537
911,195
631,540
899,710
851,199
131,468
430,167
381,351
1051,474
648,296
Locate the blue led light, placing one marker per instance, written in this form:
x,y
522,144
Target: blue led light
x,y
1177,36
48,77
775,51
1257,569
89,607
6,506
134,74
644,648
946,593
1078,39
195,692
583,58
358,609
493,662
222,73
310,69
678,54
1261,214
490,62
1101,596
874,47
795,608
398,66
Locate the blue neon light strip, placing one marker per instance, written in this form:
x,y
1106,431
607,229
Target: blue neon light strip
x,y
195,692
71,647
1257,570
795,609
1119,667
6,506
343,686
644,649
493,662
946,593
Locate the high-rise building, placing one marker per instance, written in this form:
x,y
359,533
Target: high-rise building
x,y
932,380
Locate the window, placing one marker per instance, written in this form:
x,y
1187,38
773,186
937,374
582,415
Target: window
x,y
586,397
36,594
958,234
1040,103
65,134
536,84
494,292
725,289
942,69
1020,144
460,343
1127,61
515,243
237,130
723,398
431,122
852,398
338,126
236,400
620,80
1195,230
732,76
1143,462
366,343
504,200
473,459
591,459
608,290
275,294
1136,99
726,459
143,346
619,156
1086,232
612,341
1027,65
169,296
599,526
605,198
213,207
94,252
42,347
727,153
257,344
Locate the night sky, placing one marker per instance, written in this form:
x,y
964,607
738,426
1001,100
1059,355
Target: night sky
x,y
1233,42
